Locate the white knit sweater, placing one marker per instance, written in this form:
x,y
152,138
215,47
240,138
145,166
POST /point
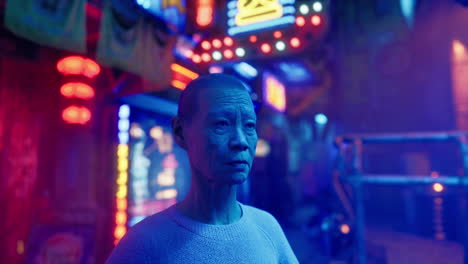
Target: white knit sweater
x,y
170,237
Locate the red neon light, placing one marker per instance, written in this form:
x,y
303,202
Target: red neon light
x,y
217,43
196,58
205,12
300,21
316,20
77,90
265,48
253,38
295,42
76,115
206,45
277,34
206,57
228,54
76,65
228,41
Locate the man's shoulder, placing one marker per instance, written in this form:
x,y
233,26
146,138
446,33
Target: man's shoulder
x,y
156,224
260,216
144,240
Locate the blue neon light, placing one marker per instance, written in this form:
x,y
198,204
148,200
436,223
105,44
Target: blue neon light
x,y
124,111
288,10
232,5
295,72
123,137
321,119
262,25
124,125
232,13
246,70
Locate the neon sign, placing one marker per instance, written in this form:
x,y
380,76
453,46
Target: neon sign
x,y
76,115
122,177
250,15
253,11
274,93
78,66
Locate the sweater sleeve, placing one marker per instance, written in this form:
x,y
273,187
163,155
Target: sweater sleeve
x,y
286,253
275,233
132,249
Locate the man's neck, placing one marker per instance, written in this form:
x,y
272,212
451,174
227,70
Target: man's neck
x,y
211,203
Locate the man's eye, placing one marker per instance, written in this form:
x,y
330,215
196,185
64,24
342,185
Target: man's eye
x,y
222,123
250,125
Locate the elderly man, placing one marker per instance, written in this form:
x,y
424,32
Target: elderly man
x,y
216,125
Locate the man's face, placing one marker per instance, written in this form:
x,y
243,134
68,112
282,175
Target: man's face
x,y
222,136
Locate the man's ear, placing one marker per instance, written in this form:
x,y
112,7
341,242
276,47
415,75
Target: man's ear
x,y
177,130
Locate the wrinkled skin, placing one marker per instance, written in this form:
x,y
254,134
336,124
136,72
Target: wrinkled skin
x,y
221,138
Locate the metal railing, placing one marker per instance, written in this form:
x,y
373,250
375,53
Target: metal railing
x,y
358,179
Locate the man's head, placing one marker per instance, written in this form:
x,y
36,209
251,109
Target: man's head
x,y
216,125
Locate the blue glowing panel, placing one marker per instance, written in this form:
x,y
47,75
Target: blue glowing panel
x,y
159,169
173,12
252,15
246,70
295,72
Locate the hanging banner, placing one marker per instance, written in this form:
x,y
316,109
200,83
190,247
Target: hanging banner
x,y
139,47
59,23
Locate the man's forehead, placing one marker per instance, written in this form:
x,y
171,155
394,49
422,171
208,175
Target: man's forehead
x,y
224,92
225,101
244,109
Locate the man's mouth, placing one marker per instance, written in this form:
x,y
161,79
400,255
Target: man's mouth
x,y
238,162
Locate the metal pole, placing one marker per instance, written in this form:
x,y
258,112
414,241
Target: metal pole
x,y
407,180
359,199
463,141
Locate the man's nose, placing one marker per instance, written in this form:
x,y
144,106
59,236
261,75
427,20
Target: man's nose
x,y
239,140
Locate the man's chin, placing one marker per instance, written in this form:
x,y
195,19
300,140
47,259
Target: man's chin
x,y
236,178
